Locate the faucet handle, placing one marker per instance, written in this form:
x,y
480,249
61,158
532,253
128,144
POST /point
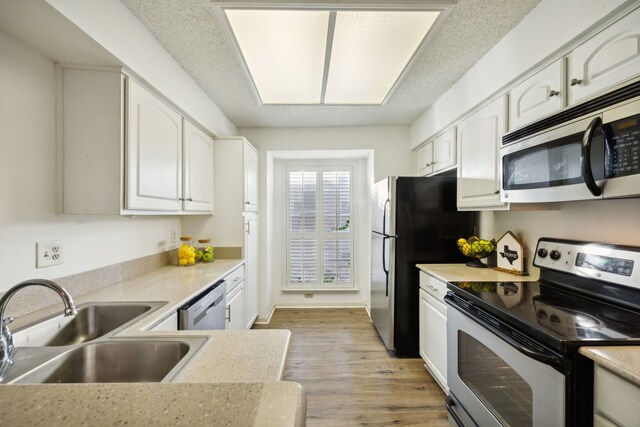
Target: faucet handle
x,y
7,321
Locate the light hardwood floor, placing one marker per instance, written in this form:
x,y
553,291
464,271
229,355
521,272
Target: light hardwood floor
x,y
349,376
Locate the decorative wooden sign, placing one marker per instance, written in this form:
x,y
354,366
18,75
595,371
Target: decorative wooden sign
x,y
510,255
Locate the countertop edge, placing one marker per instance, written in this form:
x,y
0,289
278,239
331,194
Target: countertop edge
x,y
622,360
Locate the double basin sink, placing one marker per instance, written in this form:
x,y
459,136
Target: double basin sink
x,y
81,349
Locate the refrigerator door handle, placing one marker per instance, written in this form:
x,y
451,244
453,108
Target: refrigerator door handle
x,y
385,268
384,217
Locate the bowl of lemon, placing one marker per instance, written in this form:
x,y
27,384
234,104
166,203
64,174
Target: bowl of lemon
x,y
476,248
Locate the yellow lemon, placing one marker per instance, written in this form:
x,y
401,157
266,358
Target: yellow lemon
x,y
183,261
191,261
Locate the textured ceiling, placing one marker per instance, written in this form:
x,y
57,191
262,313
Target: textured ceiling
x,y
194,35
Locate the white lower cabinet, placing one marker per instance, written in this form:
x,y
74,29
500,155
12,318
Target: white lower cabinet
x,y
169,323
615,400
433,328
235,308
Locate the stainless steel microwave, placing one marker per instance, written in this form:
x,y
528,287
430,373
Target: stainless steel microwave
x,y
591,151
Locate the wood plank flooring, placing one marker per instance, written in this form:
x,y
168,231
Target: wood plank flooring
x,y
349,376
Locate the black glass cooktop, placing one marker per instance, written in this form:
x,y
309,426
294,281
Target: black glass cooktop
x,y
557,317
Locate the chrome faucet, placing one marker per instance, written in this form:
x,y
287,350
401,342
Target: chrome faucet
x,y
6,338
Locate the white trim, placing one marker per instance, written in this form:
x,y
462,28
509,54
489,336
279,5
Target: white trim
x,y
265,320
319,305
305,290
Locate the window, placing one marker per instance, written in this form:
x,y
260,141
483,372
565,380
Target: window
x,y
319,228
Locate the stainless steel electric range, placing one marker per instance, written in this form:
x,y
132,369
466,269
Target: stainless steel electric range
x,y
513,346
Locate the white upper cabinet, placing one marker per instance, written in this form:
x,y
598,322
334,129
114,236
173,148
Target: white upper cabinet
x,y
537,96
605,60
154,153
444,151
437,155
250,158
198,170
126,151
424,160
478,170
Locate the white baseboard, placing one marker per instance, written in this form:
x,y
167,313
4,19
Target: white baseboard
x,y
320,305
265,320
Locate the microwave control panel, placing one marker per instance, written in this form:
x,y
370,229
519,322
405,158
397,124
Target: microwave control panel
x,y
624,141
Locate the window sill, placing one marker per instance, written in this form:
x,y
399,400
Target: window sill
x,y
320,289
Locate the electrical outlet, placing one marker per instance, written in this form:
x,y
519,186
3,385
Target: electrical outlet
x,y
49,253
308,295
174,236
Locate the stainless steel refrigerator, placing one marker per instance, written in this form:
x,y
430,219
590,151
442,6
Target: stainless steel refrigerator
x,y
414,220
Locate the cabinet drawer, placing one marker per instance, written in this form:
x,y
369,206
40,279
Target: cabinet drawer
x,y
616,399
433,286
234,278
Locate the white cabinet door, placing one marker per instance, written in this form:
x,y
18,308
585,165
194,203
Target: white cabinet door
x,y
424,160
478,171
235,308
444,151
250,158
538,96
605,60
198,170
153,154
251,265
433,337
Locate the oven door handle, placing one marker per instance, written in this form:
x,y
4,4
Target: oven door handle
x,y
547,359
585,158
449,403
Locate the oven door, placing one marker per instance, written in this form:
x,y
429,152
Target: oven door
x,y
495,383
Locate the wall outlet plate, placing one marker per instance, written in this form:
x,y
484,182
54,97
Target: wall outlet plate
x,y
49,253
308,295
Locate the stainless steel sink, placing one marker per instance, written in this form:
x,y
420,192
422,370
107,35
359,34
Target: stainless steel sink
x,y
93,320
118,360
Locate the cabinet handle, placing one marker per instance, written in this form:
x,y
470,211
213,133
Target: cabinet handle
x,y
181,199
247,203
248,227
228,318
189,199
553,93
496,192
574,82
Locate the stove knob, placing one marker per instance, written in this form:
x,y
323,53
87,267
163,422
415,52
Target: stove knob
x,y
555,255
542,253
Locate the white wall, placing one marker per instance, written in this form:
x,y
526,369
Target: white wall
x,y
540,36
391,156
116,29
28,184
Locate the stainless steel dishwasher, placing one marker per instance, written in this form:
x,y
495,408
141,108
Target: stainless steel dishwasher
x,y
206,310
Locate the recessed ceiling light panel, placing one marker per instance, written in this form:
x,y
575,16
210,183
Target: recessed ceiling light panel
x,y
284,51
316,56
370,50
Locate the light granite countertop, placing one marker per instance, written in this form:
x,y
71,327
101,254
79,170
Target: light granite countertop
x,y
462,273
623,360
234,379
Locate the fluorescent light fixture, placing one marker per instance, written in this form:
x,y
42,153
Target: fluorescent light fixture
x,y
323,56
284,52
370,51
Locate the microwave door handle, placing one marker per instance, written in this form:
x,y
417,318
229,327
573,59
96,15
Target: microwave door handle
x,y
585,158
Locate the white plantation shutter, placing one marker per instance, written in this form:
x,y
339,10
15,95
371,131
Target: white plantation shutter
x,y
319,229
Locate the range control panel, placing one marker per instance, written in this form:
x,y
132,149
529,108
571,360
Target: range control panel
x,y
610,263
